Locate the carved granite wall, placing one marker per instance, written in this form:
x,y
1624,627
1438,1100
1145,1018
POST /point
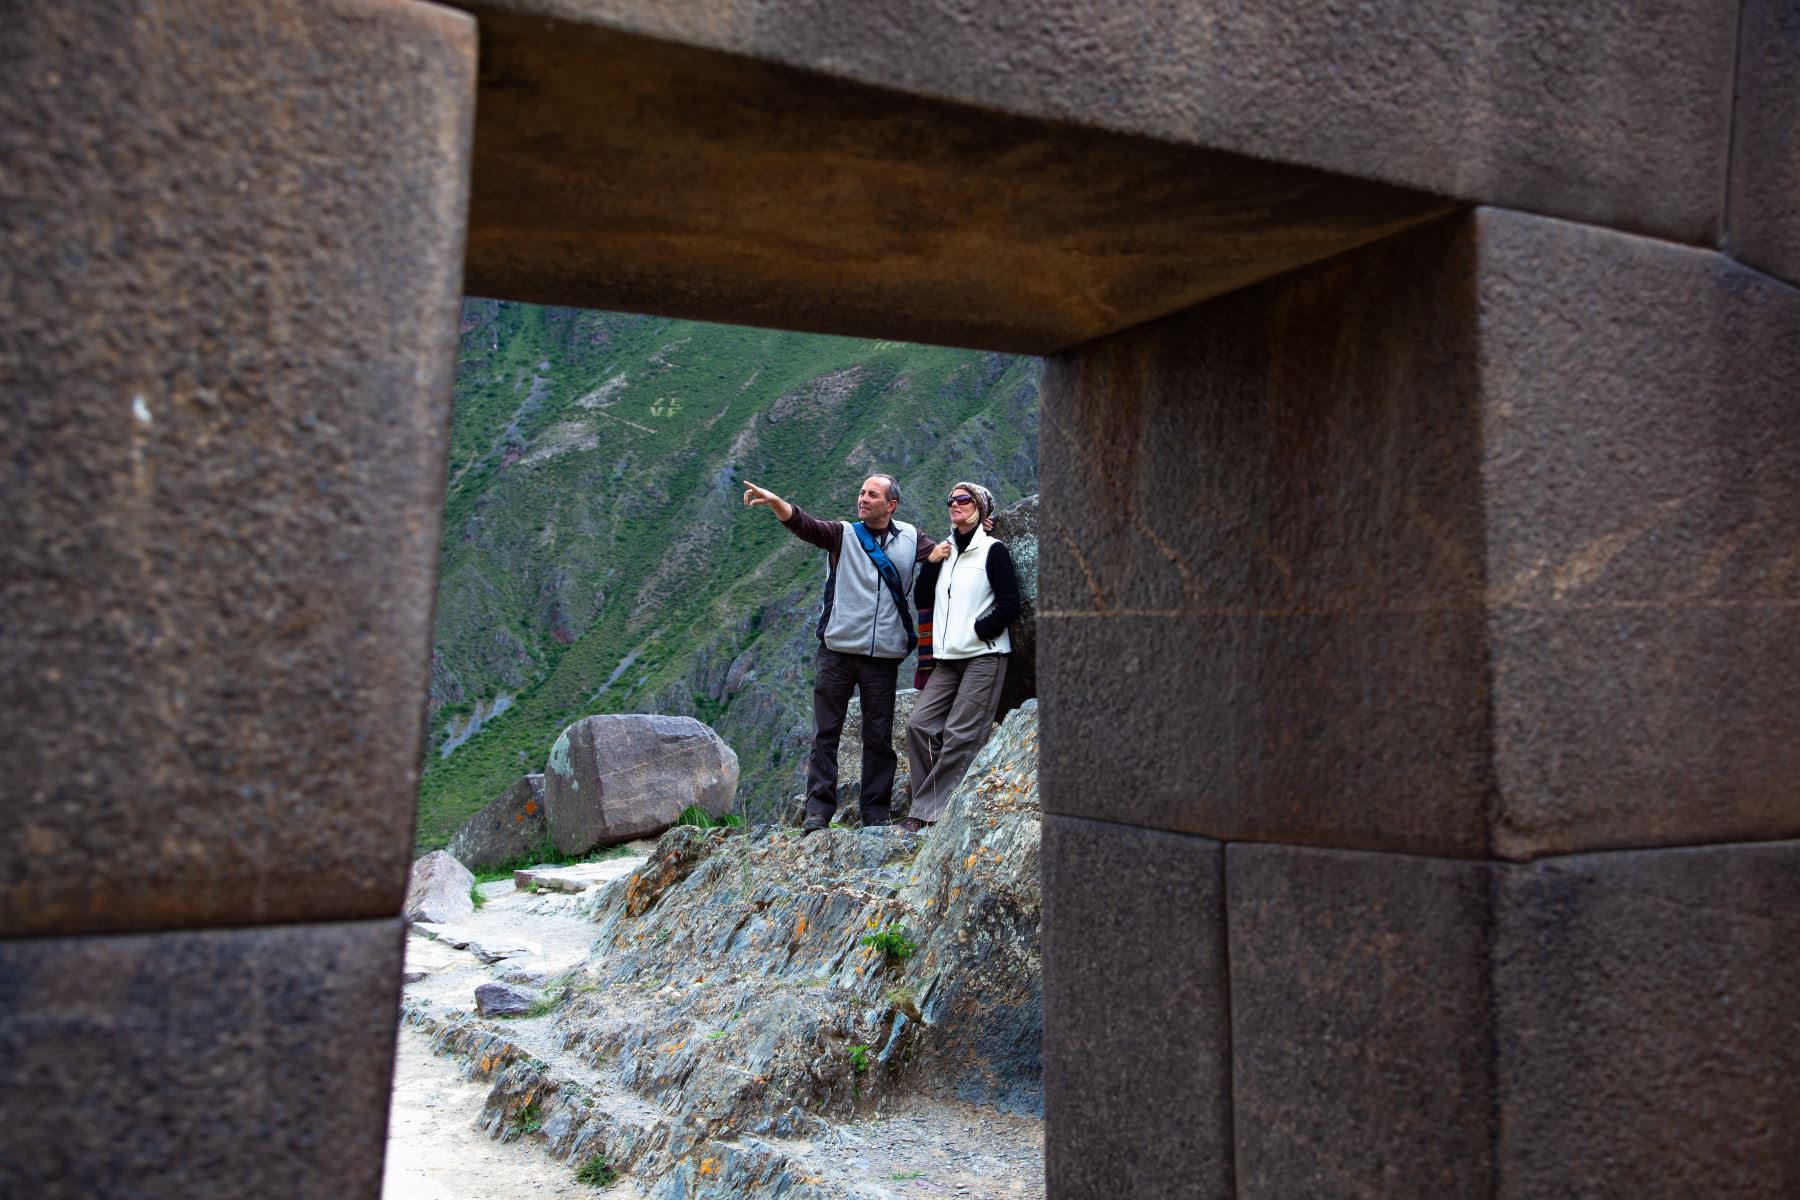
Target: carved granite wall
x,y
1418,584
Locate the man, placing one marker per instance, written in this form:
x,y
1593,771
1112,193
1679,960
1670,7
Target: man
x,y
865,631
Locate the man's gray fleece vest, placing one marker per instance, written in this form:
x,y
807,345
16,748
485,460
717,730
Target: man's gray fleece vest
x,y
860,617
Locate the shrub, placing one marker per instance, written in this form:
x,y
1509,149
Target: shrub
x,y
891,941
595,1172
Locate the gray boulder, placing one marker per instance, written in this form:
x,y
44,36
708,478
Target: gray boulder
x,y
1018,528
510,828
504,1000
438,890
617,777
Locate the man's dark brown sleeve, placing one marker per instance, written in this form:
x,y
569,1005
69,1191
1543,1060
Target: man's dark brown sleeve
x,y
826,535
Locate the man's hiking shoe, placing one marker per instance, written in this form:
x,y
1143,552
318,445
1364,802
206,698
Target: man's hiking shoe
x,y
814,824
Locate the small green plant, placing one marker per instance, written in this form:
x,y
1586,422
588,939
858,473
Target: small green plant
x,y
475,896
596,1172
902,1176
903,997
859,1059
696,816
891,941
730,821
526,1120
715,1035
543,1006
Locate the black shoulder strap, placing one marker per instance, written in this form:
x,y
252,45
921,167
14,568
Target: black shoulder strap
x,y
890,575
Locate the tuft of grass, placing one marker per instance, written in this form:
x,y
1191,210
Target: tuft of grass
x,y
699,818
596,1172
902,997
891,941
859,1059
475,896
527,1120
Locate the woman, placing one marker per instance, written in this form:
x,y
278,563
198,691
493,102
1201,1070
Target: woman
x,y
969,585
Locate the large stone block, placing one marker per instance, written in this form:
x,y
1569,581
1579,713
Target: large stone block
x,y
793,165
1480,541
663,174
233,237
207,1065
1361,1040
1137,1068
1641,476
1647,1034
1602,1025
1763,210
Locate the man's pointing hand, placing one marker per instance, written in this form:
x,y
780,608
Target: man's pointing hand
x,y
754,495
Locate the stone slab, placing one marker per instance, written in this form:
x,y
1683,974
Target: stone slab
x,y
577,877
208,1065
1048,174
1362,1046
1137,1069
655,174
1647,1031
232,236
1599,1025
1264,619
1763,210
1641,471
1477,542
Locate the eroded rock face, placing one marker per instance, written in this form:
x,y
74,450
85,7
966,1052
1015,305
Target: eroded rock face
x,y
617,777
438,890
730,1002
1018,528
508,829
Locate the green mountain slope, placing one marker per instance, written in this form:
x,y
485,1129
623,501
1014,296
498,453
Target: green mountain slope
x,y
596,554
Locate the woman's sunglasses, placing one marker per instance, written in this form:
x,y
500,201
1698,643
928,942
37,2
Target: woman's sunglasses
x,y
957,499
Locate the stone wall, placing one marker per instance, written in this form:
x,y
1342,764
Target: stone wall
x,y
1417,569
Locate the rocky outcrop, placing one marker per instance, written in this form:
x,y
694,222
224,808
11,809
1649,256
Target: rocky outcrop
x,y
617,777
438,889
506,830
749,989
1018,528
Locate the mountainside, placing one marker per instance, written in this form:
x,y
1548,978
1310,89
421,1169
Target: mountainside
x,y
596,555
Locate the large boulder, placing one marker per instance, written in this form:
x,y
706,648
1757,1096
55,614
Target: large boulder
x,y
438,890
613,778
510,828
1018,528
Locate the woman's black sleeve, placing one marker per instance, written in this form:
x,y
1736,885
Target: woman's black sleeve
x,y
1005,583
925,586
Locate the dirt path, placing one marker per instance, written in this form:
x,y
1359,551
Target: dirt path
x,y
437,1149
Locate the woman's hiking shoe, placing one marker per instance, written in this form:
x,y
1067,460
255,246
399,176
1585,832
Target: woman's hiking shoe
x,y
911,824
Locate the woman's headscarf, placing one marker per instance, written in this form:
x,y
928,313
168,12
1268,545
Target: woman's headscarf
x,y
984,499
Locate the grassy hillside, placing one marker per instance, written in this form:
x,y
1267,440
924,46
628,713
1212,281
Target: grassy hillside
x,y
596,555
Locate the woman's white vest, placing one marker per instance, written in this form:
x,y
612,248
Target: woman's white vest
x,y
860,616
963,594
